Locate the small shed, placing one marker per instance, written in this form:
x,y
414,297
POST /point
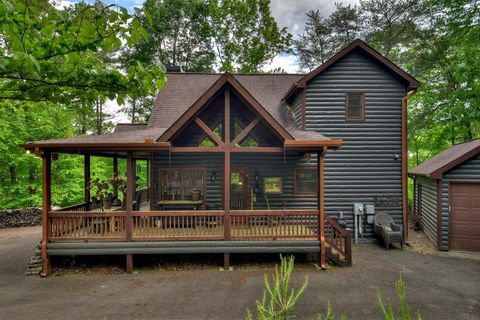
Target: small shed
x,y
447,197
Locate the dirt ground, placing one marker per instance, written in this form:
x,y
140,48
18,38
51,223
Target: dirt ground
x,y
192,287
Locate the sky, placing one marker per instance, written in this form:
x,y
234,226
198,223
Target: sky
x,y
287,13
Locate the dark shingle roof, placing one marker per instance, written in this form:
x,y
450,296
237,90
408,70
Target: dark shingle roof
x,y
128,136
183,89
122,127
447,159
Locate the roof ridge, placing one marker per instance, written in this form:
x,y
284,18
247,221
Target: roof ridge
x,y
238,74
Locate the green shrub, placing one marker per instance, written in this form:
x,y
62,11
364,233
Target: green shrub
x,y
387,309
278,300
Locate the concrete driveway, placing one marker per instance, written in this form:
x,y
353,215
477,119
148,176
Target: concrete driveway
x,y
440,287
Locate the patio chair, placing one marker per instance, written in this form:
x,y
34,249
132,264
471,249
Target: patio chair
x,y
385,227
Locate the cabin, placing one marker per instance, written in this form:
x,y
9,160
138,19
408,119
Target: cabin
x,y
447,197
246,163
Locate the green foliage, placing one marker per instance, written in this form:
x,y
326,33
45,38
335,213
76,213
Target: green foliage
x,y
202,36
387,309
279,299
329,315
48,54
323,37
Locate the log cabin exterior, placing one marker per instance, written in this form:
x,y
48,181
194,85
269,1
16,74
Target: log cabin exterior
x,y
243,163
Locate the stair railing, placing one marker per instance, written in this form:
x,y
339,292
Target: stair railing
x,y
339,239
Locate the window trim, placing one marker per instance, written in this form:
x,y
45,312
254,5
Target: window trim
x,y
204,186
362,106
299,193
275,192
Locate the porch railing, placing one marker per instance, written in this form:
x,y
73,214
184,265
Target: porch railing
x,y
339,240
76,224
178,225
274,224
83,225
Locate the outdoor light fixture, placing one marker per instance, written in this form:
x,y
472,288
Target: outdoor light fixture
x,y
396,156
213,176
309,157
139,169
256,176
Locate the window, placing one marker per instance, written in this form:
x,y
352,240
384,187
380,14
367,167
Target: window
x,y
207,141
179,184
355,106
272,185
305,181
247,142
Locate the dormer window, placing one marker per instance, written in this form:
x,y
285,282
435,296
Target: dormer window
x,y
355,106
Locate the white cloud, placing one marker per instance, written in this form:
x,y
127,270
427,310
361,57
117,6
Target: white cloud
x,y
60,4
113,108
287,62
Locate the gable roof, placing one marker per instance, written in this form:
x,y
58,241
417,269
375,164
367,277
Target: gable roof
x,y
208,94
182,90
357,44
447,159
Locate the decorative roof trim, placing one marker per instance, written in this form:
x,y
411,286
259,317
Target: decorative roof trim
x,y
210,93
302,83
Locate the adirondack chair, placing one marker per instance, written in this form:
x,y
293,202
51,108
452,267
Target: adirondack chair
x,y
385,227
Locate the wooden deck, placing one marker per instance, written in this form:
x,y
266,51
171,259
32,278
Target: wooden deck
x,y
292,226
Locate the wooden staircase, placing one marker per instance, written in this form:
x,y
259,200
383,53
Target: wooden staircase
x,y
338,243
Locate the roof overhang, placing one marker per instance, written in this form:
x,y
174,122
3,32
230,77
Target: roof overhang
x,y
77,147
411,82
312,145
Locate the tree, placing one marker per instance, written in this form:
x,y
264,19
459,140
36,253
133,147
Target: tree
x,y
446,109
323,37
245,35
47,54
203,36
315,45
179,35
345,24
391,25
139,109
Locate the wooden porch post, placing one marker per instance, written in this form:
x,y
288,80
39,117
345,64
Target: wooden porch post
x,y
226,178
115,173
86,177
129,206
46,207
151,184
321,204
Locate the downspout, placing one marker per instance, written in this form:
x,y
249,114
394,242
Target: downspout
x,y
405,163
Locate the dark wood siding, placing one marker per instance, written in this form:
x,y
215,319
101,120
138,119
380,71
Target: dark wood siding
x,y
365,167
426,206
267,165
467,171
297,109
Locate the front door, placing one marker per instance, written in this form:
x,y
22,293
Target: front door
x,y
239,190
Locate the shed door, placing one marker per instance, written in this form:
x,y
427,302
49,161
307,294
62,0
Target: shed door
x,y
464,220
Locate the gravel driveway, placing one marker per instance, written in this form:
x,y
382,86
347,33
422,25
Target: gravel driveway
x,y
440,287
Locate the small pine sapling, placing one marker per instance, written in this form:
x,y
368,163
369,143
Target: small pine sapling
x,y
387,309
279,299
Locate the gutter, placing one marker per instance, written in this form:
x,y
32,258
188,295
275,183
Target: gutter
x,y
405,163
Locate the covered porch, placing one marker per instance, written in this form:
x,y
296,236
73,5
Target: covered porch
x,y
226,177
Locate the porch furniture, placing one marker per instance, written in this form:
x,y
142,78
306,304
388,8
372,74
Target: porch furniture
x,y
162,204
385,227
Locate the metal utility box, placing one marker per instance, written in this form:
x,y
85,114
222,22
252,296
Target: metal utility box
x,y
370,212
